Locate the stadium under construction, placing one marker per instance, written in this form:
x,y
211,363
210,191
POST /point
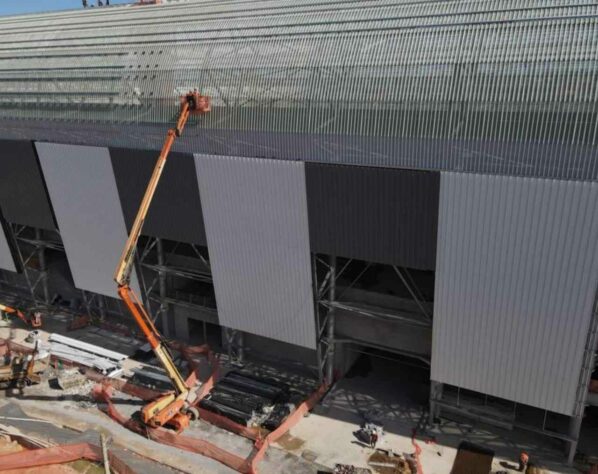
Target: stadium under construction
x,y
414,181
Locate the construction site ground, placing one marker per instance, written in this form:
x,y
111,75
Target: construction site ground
x,y
394,393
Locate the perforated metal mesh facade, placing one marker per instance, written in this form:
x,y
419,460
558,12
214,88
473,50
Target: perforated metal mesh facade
x,y
505,86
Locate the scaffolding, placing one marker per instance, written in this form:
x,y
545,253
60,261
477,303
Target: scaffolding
x,y
328,299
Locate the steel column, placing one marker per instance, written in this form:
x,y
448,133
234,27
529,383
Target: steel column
x,y
574,430
162,288
102,307
330,322
435,395
41,255
241,348
319,342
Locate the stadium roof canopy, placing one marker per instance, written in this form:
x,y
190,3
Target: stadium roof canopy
x,y
504,86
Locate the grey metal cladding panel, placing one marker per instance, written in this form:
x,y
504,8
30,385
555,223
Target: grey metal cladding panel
x,y
7,261
176,198
375,214
255,212
23,196
516,277
83,191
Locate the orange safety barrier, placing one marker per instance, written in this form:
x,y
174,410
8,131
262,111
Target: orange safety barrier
x,y
417,453
228,424
161,435
60,455
247,466
104,391
123,386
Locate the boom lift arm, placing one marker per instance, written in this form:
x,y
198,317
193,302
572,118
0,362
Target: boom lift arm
x,y
171,408
35,320
18,313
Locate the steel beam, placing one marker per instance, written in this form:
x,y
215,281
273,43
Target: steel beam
x,y
412,293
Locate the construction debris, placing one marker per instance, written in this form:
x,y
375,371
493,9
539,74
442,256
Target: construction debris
x,y
70,378
387,463
349,469
8,446
21,369
32,336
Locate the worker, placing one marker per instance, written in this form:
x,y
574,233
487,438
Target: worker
x,y
373,438
523,461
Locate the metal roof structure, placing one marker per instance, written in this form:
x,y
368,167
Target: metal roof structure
x,y
504,86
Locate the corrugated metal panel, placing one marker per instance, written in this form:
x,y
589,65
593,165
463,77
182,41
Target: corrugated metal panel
x,y
7,261
83,192
452,85
23,195
258,239
516,278
176,198
374,214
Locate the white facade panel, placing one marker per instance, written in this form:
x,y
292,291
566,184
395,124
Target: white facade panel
x,y
7,261
83,192
255,213
516,278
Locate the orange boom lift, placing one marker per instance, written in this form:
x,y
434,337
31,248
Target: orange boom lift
x,y
35,320
172,408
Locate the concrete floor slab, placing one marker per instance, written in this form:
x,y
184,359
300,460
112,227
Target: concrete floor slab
x,y
398,396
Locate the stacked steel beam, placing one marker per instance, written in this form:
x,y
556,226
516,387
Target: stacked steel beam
x,y
249,399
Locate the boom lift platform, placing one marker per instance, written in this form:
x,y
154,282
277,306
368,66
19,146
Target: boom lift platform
x,y
173,408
